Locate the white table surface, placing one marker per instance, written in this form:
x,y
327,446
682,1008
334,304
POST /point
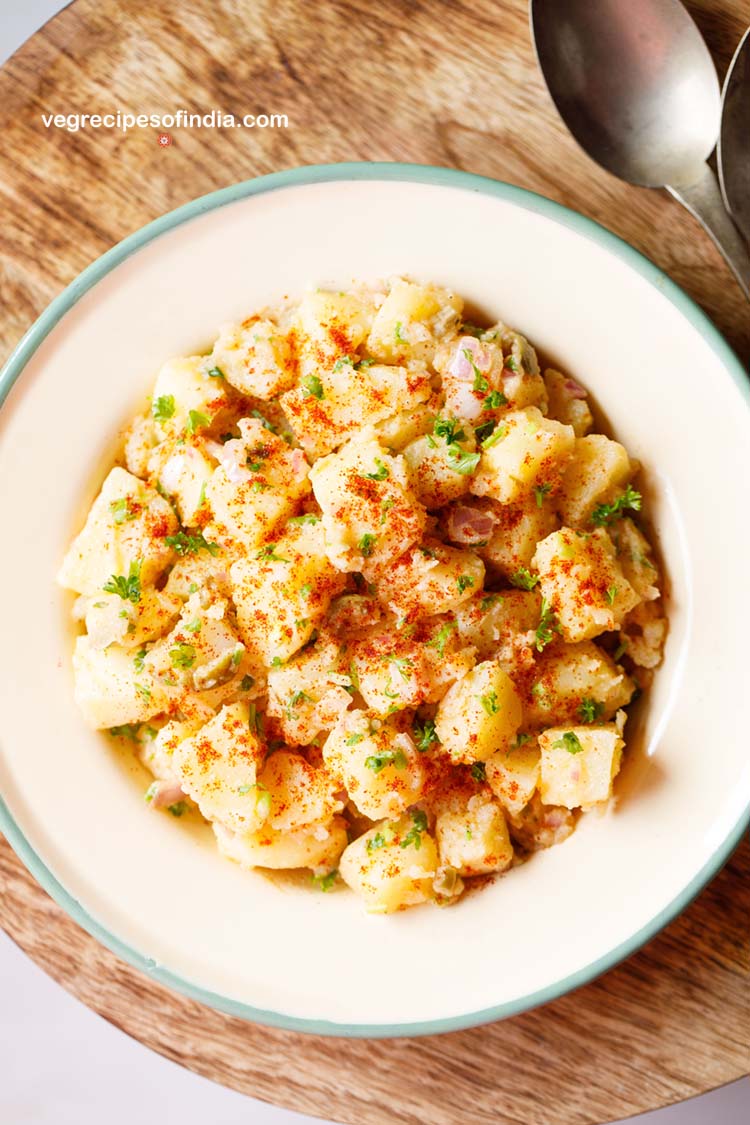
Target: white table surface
x,y
60,1064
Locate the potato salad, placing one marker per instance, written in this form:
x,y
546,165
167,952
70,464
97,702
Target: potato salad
x,y
369,594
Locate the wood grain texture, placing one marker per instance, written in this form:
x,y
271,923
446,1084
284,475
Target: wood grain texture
x,y
450,83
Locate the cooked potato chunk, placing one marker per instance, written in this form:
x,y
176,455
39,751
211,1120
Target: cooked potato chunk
x,y
300,794
379,765
567,402
472,835
109,690
517,530
513,774
370,513
317,846
429,579
187,398
439,468
283,590
309,694
218,767
124,537
576,682
393,865
635,555
406,322
479,714
501,626
112,620
202,652
582,580
578,764
183,470
643,634
596,470
257,357
525,451
256,487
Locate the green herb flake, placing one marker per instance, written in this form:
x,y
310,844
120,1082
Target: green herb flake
x,y
449,429
325,882
194,626
479,771
246,683
461,462
268,553
547,627
610,594
490,702
126,730
127,587
366,544
163,408
523,579
511,364
139,658
540,492
590,710
196,420
313,387
480,383
381,471
378,762
497,435
494,400
215,373
425,734
122,510
184,544
439,642
413,837
464,582
308,518
353,739
604,514
569,741
182,656
399,334
178,809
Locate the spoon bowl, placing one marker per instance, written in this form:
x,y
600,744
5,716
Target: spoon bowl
x,y
636,85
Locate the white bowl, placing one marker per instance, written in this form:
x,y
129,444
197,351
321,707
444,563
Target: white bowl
x,y
677,397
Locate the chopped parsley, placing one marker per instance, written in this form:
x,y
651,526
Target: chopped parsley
x,y
381,471
353,738
524,579
610,594
126,730
325,882
540,492
449,429
485,430
399,334
461,462
196,420
264,421
480,383
269,553
464,582
604,514
547,627
178,809
590,710
381,839
493,400
162,408
185,544
182,656
569,741
312,386
378,762
490,702
414,835
215,373
479,771
138,659
366,544
295,699
128,588
439,642
497,435
511,364
308,518
621,649
521,738
122,510
246,683
424,734
489,600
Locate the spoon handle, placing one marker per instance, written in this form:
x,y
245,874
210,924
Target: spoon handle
x,y
703,200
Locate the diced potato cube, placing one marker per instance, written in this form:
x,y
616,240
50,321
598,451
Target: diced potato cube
x,y
539,826
202,652
112,620
109,690
501,626
579,764
257,357
369,511
567,402
393,865
398,430
527,450
125,531
472,836
596,470
186,397
479,714
309,694
140,439
157,752
199,571
513,774
393,671
300,794
405,325
332,403
282,591
377,764
317,846
439,469
576,682
336,322
582,580
183,471
635,556
429,579
218,768
643,634
256,488
518,529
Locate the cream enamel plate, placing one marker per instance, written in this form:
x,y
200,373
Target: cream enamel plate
x,y
157,892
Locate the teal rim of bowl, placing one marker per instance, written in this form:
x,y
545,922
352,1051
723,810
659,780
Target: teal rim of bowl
x,y
327,173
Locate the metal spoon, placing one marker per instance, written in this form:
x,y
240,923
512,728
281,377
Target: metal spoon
x,y
733,152
635,84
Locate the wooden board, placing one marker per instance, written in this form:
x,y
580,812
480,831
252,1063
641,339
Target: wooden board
x,y
451,83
